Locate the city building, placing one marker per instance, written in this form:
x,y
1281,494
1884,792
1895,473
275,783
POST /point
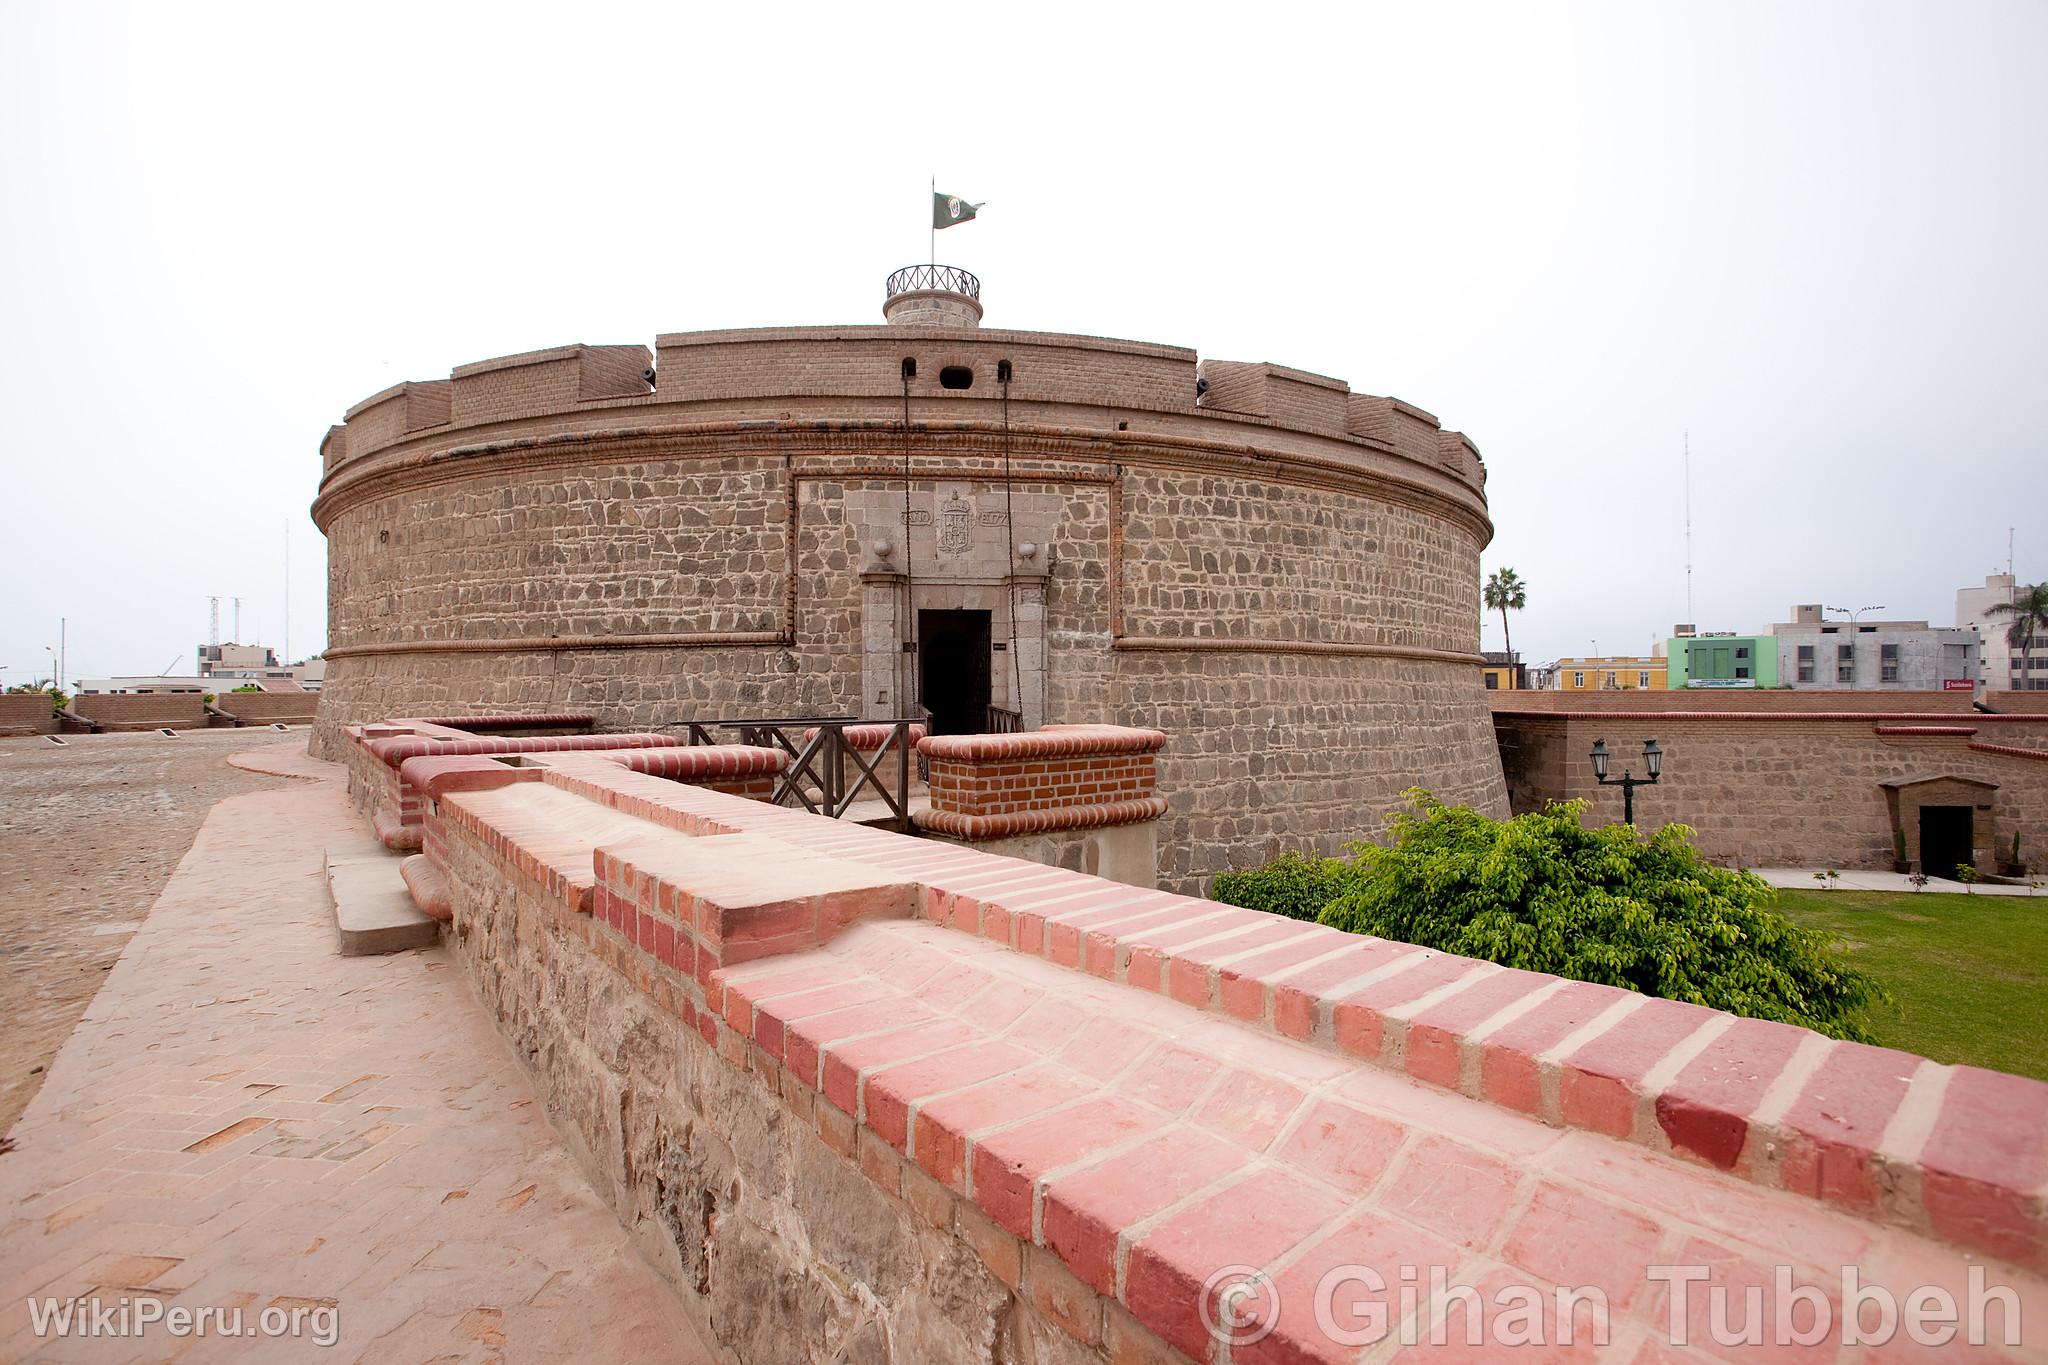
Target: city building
x,y
1504,671
1903,656
2004,668
239,661
1721,659
1609,673
222,668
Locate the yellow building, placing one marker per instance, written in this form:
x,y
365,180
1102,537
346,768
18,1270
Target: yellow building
x,y
1504,672
1611,673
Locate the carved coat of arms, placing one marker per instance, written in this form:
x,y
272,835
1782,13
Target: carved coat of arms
x,y
956,526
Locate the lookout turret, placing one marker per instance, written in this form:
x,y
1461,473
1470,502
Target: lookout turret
x,y
933,296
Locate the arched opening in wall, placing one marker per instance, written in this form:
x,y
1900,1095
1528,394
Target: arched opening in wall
x,y
909,367
956,377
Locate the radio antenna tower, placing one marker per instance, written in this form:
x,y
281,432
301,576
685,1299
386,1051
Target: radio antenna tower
x,y
213,620
1688,527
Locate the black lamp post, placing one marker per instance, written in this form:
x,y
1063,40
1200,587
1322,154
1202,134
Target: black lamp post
x,y
1653,759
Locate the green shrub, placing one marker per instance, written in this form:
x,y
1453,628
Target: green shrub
x,y
1544,893
1291,885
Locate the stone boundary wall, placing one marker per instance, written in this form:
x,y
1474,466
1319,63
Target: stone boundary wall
x,y
142,711
1781,789
1766,699
845,1086
27,713
1732,699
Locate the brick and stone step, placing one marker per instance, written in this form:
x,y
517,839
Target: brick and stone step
x,y
373,908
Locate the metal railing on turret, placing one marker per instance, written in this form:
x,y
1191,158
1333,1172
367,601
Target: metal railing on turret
x,y
950,279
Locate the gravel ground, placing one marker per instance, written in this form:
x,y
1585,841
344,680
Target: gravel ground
x,y
90,832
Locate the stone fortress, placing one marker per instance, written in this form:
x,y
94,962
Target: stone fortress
x,y
1279,573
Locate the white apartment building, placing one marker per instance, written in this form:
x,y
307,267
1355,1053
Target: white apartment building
x,y
2005,669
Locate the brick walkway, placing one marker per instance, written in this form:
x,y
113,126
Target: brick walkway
x,y
246,1119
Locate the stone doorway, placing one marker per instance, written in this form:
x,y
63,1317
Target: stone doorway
x,y
1945,839
953,649
1941,819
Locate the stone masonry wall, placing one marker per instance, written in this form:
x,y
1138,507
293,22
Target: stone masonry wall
x,y
787,1250
1770,792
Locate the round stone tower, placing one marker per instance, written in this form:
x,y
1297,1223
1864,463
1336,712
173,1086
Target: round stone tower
x,y
995,528
932,296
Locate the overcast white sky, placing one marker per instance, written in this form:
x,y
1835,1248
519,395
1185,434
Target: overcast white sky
x,y
1811,235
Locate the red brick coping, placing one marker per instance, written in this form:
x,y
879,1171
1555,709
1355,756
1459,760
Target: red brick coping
x,y
1051,741
1063,777
1956,1152
868,738
2040,755
1946,731
555,720
396,750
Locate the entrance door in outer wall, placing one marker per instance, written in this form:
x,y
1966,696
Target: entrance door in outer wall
x,y
953,670
1944,839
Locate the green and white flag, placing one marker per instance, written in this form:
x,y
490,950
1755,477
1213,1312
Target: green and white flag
x,y
950,210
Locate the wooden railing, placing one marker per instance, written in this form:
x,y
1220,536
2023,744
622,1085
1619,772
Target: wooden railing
x,y
826,773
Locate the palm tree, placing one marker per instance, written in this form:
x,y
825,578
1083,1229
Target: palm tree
x,y
2029,612
1505,592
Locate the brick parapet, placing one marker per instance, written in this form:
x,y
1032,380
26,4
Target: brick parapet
x,y
1031,1105
142,711
266,708
27,713
1061,777
1062,382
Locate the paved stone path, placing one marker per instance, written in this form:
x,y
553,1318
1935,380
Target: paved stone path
x,y
90,832
246,1119
1861,879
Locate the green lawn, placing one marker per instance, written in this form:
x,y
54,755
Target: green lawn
x,y
1968,974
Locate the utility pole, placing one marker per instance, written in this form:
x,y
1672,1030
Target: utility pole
x,y
63,626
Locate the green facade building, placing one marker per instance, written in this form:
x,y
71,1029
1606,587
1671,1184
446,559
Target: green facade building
x,y
1704,661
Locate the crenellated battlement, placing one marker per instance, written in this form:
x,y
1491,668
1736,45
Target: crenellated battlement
x,y
534,382
863,373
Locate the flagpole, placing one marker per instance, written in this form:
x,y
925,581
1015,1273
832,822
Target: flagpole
x,y
935,222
